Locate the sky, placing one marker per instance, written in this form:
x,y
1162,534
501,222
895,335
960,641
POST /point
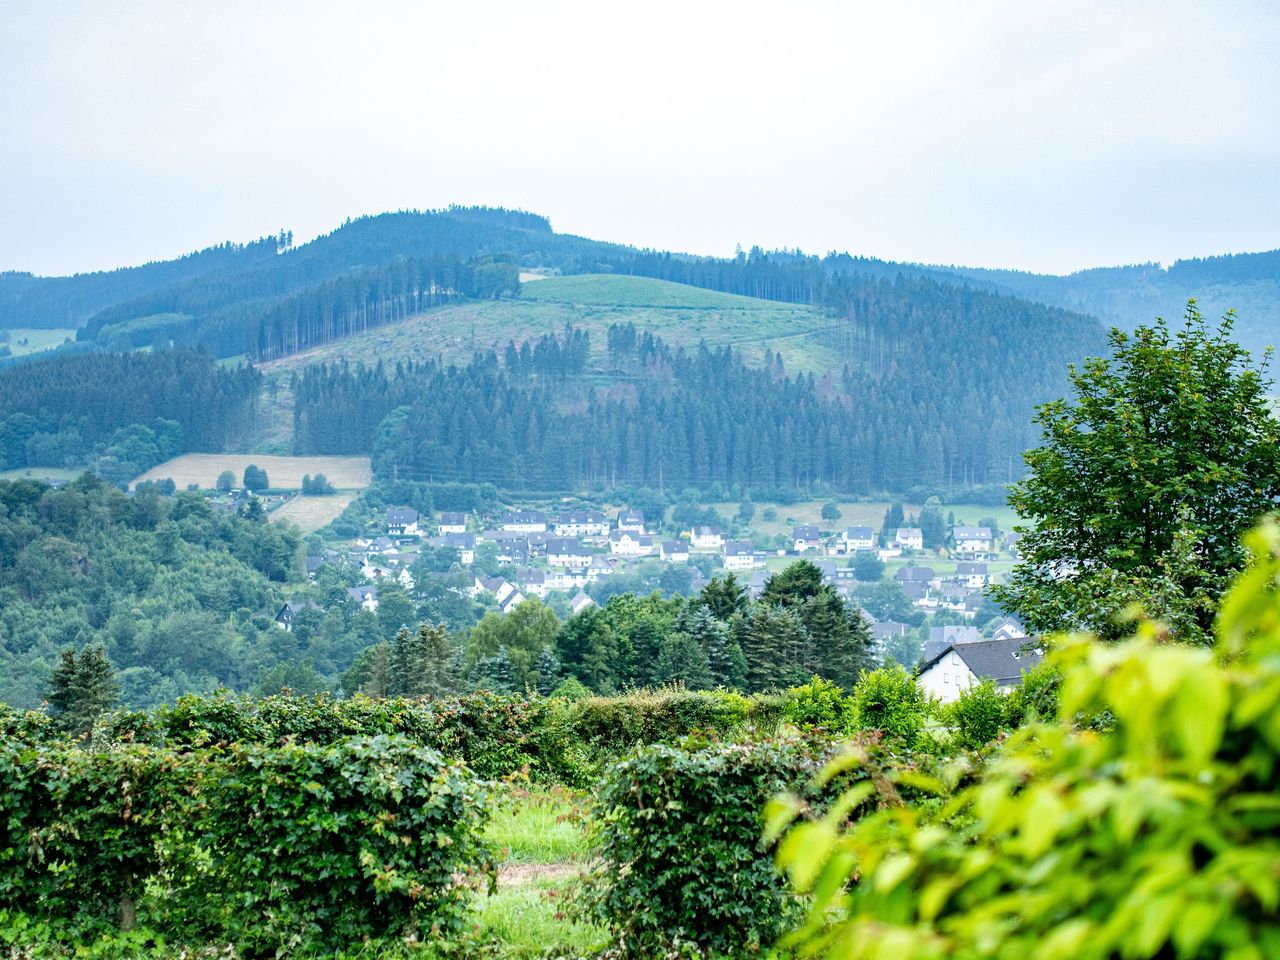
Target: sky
x,y
1046,136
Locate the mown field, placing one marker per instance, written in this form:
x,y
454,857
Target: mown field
x,y
856,515
345,473
25,340
680,314
312,513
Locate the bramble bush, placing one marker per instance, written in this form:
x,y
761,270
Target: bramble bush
x,y
1155,836
304,846
682,869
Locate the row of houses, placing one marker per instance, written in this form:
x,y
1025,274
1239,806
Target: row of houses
x,y
593,524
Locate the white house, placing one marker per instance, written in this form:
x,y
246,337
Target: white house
x,y
853,539
971,540
631,521
402,522
1008,629
910,538
973,574
367,597
565,579
525,521
581,523
674,551
806,537
563,552
452,523
532,582
960,665
738,555
627,543
706,538
580,602
505,592
464,543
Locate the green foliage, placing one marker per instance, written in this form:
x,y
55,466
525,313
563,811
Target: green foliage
x,y
82,687
1144,483
226,480
979,715
375,830
889,700
255,478
682,866
831,511
1155,837
819,704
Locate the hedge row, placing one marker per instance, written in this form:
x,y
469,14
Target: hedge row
x,y
309,845
497,735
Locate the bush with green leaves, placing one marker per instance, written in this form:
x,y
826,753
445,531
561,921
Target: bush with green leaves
x,y
78,830
978,715
682,868
1156,837
819,704
890,700
322,846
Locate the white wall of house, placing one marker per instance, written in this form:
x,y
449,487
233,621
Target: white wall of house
x,y
947,678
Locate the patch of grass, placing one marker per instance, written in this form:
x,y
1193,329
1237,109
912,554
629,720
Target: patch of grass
x,y
27,340
532,920
42,473
539,827
284,473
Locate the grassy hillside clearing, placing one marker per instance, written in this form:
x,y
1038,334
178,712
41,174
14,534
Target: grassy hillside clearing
x,y
24,340
856,515
345,473
681,315
312,513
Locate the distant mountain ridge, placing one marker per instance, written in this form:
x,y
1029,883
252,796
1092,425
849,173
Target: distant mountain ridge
x,y
269,297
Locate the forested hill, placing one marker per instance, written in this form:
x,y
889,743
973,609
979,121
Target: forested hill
x,y
1127,296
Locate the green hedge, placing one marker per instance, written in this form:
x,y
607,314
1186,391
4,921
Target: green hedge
x,y
497,735
315,846
683,867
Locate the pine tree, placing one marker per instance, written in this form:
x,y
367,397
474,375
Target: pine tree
x,y
723,597
547,667
82,688
681,659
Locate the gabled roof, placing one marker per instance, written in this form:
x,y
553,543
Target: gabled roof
x,y
452,519
971,568
806,531
859,533
1004,661
971,533
399,516
914,574
737,548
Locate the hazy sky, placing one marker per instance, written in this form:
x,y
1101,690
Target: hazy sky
x,y
1041,135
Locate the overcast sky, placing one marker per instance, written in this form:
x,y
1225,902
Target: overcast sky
x,y
1040,135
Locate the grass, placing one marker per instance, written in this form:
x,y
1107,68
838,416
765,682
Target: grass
x,y
37,340
539,827
679,314
284,473
42,473
312,513
854,514
532,919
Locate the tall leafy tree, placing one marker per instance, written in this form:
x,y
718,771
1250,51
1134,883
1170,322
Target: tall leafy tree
x,y
1144,482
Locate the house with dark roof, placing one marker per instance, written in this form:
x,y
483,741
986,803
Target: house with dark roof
x,y
960,665
942,637
971,541
631,521
286,615
739,555
402,522
367,597
525,521
806,537
674,551
566,552
451,523
581,523
853,539
706,538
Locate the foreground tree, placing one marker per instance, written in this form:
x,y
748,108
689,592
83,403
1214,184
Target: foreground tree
x,y
1145,482
82,687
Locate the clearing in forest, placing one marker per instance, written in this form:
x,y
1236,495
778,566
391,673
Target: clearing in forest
x,y
283,473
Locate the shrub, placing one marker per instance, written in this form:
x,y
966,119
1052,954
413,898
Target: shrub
x,y
78,830
819,704
1156,837
321,846
682,865
978,716
889,700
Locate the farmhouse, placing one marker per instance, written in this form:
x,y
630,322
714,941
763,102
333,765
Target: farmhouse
x,y
806,537
525,521
402,522
961,665
973,574
853,539
452,523
674,551
738,555
563,552
367,597
581,523
626,543
706,538
970,541
631,521
910,538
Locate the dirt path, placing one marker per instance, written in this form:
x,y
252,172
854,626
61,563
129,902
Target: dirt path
x,y
519,874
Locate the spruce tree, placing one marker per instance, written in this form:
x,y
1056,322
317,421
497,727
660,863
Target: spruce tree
x,y
82,688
